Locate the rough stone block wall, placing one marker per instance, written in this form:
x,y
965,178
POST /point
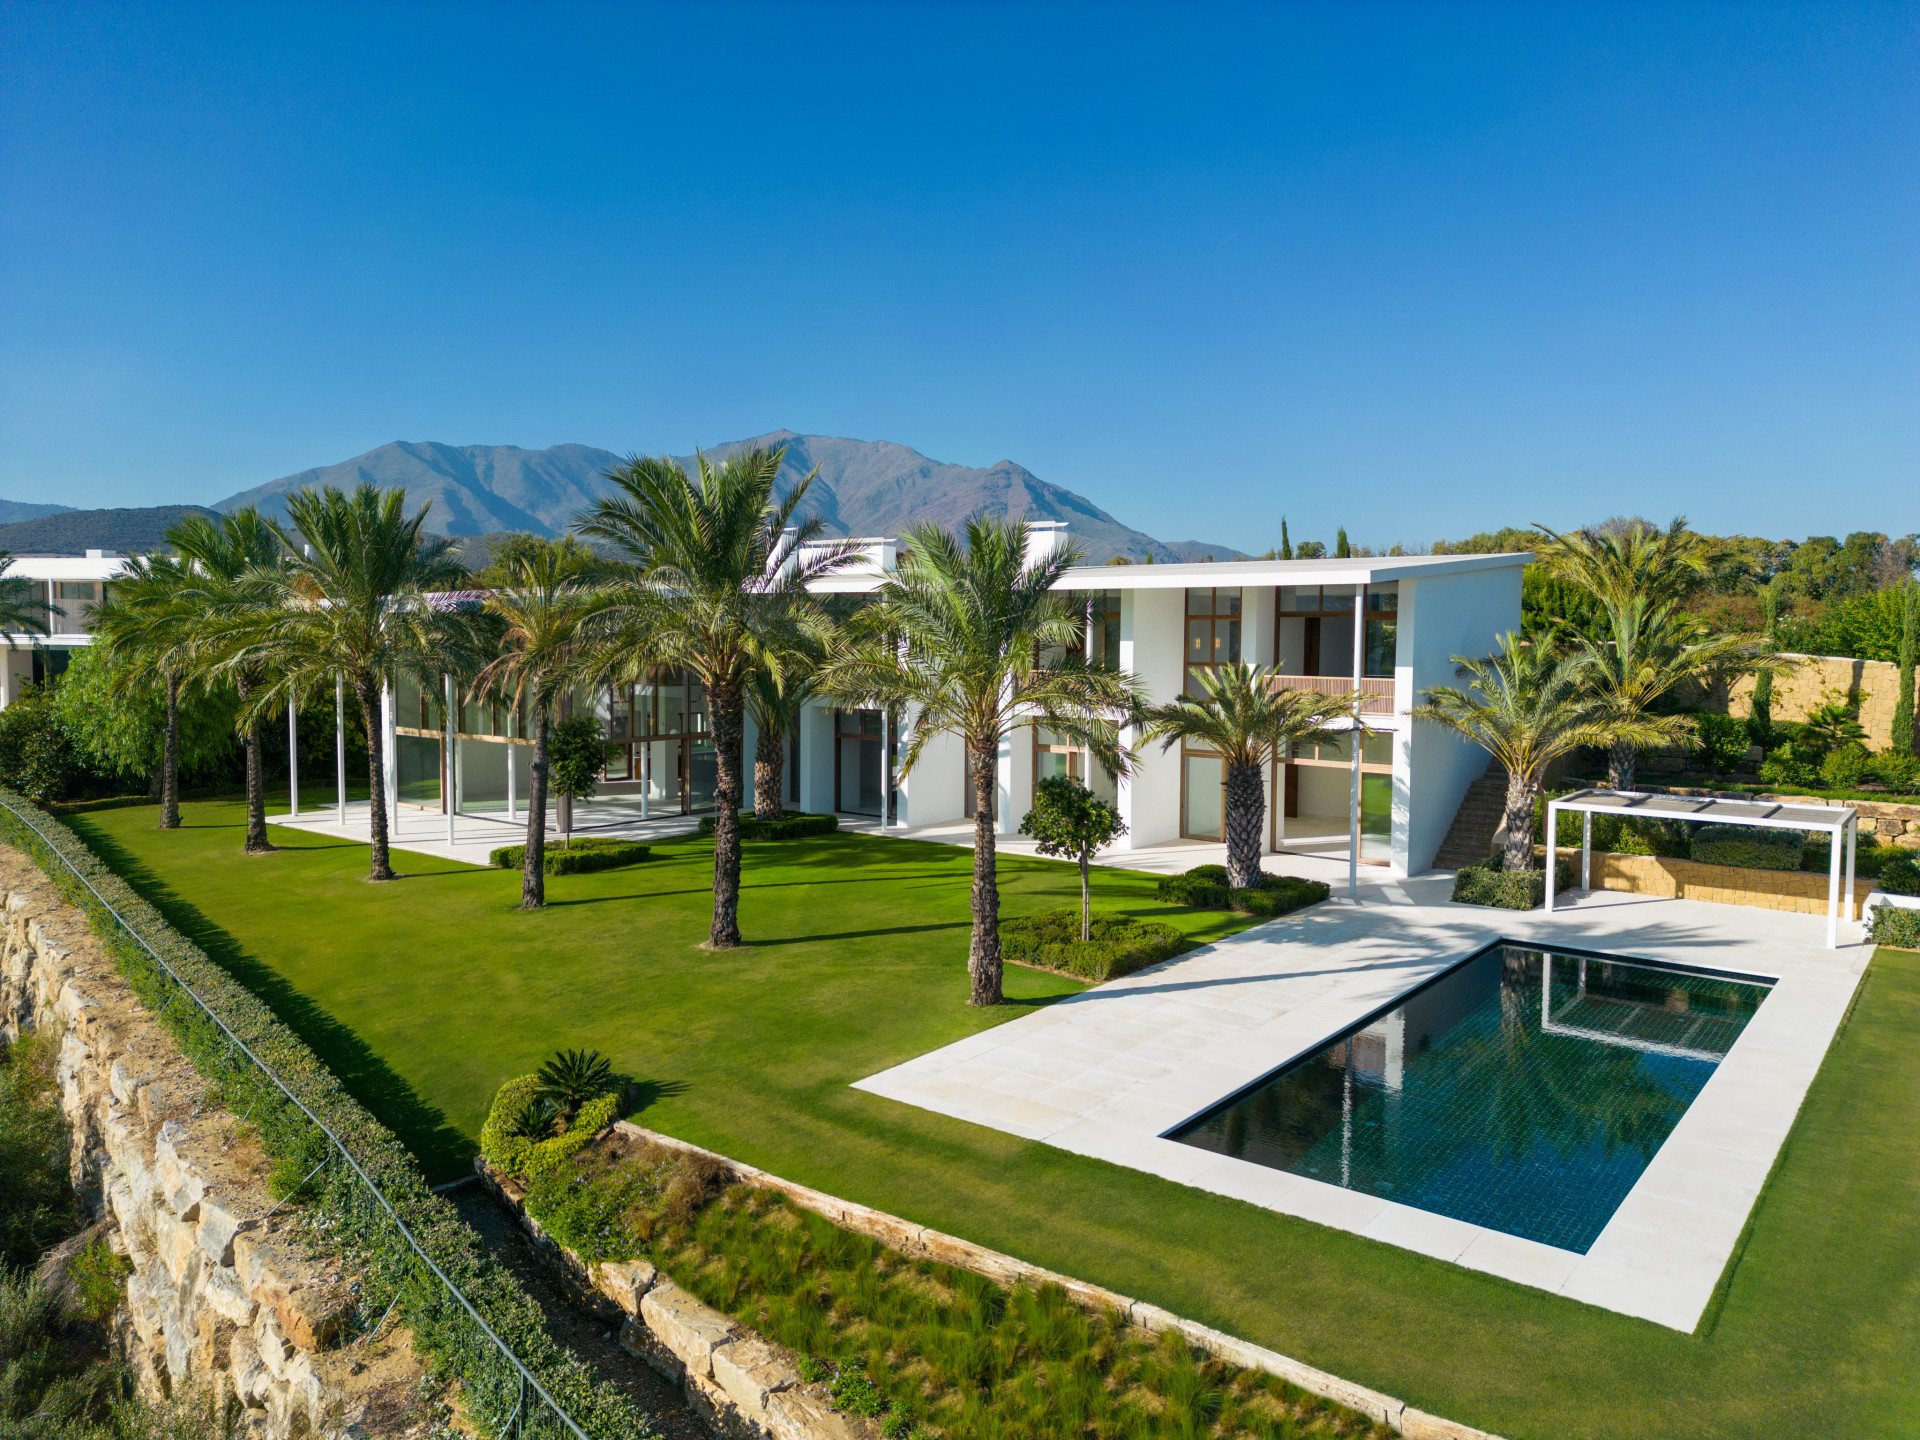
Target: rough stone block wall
x,y
224,1294
1801,891
1803,690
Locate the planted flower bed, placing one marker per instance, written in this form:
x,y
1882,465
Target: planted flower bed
x,y
1118,944
579,858
1205,887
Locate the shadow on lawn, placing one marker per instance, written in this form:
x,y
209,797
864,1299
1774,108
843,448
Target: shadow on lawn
x,y
441,1150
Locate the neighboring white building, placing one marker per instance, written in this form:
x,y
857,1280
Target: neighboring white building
x,y
1414,613
72,588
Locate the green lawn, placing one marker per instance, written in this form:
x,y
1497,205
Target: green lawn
x,y
425,994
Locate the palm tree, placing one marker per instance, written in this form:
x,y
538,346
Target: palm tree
x,y
718,587
775,705
1528,705
358,599
549,609
1249,722
1633,561
228,583
968,638
1646,652
24,608
144,626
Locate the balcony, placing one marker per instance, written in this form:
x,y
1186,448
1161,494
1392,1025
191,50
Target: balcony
x,y
1376,692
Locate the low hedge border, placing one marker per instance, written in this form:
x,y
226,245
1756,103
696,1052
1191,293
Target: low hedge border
x,y
1205,888
1748,846
1896,926
357,1228
583,857
795,825
1489,883
1121,944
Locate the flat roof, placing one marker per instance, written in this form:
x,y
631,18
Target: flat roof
x,y
1713,809
1355,570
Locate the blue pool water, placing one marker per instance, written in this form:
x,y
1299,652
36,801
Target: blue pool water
x,y
1523,1090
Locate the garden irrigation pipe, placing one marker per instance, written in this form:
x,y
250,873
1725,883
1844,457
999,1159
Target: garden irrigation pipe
x,y
526,1376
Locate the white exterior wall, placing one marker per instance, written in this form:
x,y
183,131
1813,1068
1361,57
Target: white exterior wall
x,y
936,786
1152,646
1440,616
816,760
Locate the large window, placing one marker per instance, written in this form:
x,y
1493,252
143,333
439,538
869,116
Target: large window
x,y
1314,786
1313,629
659,740
1213,631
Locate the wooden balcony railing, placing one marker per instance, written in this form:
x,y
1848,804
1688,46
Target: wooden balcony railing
x,y
1376,694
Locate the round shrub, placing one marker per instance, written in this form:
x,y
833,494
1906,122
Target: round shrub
x,y
1846,766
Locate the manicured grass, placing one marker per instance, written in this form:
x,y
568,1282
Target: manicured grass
x,y
427,993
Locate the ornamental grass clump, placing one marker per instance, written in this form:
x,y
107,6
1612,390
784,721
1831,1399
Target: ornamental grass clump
x,y
927,1349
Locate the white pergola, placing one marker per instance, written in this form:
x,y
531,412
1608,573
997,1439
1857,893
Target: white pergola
x,y
1841,822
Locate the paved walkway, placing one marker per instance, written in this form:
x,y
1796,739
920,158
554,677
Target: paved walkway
x,y
1109,1072
424,832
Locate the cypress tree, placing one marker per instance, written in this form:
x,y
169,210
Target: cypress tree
x,y
1286,545
1760,717
1902,742
1341,549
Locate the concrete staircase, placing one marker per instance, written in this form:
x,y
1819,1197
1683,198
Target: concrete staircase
x,y
1476,824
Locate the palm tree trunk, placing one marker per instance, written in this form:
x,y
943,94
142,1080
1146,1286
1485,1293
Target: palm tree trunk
x,y
1246,807
365,691
533,873
1518,851
170,759
728,739
769,773
983,955
256,843
1622,756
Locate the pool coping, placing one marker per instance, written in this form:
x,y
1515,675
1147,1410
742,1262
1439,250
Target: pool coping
x,y
1109,1072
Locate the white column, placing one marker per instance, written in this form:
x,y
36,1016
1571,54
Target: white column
x,y
340,744
1553,849
1853,840
1353,816
1839,836
1586,850
450,796
293,757
390,749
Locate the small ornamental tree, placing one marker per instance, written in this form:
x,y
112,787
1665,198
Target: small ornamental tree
x,y
576,755
1070,821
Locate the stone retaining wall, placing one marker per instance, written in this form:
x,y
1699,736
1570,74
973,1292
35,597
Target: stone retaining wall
x,y
1804,689
719,1390
1802,891
223,1293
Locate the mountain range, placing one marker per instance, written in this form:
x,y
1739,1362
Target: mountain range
x,y
864,487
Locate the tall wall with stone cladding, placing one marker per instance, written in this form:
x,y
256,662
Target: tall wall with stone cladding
x,y
224,1294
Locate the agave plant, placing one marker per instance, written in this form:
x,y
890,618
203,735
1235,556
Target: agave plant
x,y
573,1077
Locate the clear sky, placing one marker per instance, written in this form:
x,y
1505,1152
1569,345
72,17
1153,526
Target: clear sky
x,y
1418,269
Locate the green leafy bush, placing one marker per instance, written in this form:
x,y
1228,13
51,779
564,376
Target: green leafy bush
x,y
1899,773
1895,926
1749,846
36,756
855,1394
37,1207
354,1223
506,1145
1119,945
99,1279
1900,873
1205,887
794,825
584,856
1720,743
1490,884
1846,766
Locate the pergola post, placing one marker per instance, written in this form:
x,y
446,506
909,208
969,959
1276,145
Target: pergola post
x,y
1586,851
340,743
1553,849
1853,842
1359,728
1839,834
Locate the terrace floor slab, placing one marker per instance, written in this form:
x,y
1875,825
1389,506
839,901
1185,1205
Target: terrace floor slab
x,y
1137,1057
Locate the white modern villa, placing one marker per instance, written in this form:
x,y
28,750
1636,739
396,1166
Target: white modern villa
x,y
1398,793
70,587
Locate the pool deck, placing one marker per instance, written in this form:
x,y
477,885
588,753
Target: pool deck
x,y
1108,1072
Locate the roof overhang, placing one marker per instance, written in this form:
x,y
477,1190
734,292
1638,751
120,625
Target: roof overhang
x,y
1372,570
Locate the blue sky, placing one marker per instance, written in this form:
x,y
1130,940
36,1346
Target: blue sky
x,y
1417,270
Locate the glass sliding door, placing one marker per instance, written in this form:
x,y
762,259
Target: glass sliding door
x,y
1203,796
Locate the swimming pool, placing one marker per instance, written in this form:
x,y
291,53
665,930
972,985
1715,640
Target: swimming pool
x,y
1524,1090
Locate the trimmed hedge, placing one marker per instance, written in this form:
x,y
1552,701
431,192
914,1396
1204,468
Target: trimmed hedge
x,y
1488,883
584,856
1120,943
354,1225
794,825
1896,926
532,1159
1205,888
1900,874
1749,846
